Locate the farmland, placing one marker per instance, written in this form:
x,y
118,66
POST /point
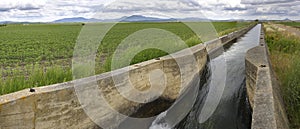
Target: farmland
x,y
293,24
41,54
285,57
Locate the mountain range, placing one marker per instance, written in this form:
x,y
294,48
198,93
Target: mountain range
x,y
133,18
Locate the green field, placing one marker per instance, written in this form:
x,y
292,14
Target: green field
x,y
285,58
41,54
294,24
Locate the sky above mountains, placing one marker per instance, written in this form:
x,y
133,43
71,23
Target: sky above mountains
x,y
50,10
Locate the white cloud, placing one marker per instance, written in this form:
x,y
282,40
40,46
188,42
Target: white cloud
x,y
255,2
49,10
22,4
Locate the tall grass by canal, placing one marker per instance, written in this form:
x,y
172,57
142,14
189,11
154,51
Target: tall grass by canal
x,y
285,58
37,76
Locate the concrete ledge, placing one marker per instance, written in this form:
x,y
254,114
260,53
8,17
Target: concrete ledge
x,y
57,106
214,45
263,90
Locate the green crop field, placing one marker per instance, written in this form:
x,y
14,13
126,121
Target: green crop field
x,y
285,57
33,55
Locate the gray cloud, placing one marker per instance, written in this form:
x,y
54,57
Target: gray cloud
x,y
235,9
278,9
259,2
28,7
4,9
49,10
160,6
274,11
20,6
191,3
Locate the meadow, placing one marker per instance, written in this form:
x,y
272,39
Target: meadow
x,y
33,55
293,24
285,57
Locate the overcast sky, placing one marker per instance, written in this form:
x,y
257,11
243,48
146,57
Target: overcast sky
x,y
50,10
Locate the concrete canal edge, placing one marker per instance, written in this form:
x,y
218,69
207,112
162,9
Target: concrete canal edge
x,y
263,90
57,106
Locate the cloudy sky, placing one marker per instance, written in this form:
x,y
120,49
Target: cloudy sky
x,y
50,10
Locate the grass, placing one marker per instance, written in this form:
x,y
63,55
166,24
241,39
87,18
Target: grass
x,y
23,44
39,77
285,57
294,24
119,32
40,54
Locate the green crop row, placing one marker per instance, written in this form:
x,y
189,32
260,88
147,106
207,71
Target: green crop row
x,y
41,54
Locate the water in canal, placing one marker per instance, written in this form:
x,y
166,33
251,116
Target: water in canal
x,y
221,102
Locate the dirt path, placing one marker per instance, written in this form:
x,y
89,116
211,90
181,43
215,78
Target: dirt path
x,y
291,30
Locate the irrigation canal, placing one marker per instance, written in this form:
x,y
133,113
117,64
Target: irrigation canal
x,y
221,102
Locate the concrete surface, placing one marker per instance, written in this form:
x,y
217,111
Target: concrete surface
x,y
263,90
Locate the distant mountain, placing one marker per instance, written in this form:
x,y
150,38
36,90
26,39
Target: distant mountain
x,y
235,19
6,22
19,22
140,18
133,18
286,19
193,19
75,19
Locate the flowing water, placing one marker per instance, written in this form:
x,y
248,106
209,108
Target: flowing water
x,y
222,101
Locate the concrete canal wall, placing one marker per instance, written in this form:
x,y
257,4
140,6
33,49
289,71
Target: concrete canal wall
x,y
263,90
